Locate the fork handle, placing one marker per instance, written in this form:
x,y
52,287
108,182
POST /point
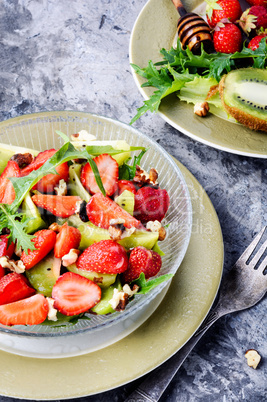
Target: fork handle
x,y
152,388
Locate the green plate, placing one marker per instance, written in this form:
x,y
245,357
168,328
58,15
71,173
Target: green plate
x,y
154,29
183,309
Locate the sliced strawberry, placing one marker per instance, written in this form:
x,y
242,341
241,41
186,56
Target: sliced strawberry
x,y
109,172
2,272
50,181
100,210
142,260
255,42
151,204
38,161
68,238
74,294
30,311
125,185
105,257
7,192
44,241
14,287
5,249
59,205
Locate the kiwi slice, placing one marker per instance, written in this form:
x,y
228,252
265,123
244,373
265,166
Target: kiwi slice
x,y
126,201
243,94
103,280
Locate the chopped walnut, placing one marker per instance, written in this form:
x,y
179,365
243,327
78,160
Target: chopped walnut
x,y
62,188
52,312
55,227
253,358
201,109
22,159
155,226
18,251
116,231
15,266
142,177
71,257
82,135
121,298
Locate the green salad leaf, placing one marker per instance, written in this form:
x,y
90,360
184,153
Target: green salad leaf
x,y
147,285
180,66
127,172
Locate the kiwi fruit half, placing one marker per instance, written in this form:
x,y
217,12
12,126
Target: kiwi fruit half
x,y
243,94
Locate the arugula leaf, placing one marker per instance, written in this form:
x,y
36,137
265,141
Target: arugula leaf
x,y
145,286
66,153
180,66
127,172
17,224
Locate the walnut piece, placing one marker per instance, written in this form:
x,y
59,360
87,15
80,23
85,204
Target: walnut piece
x,y
142,177
253,358
55,227
12,265
201,109
71,257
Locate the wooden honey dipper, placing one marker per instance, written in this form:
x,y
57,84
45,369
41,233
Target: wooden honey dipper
x,y
193,30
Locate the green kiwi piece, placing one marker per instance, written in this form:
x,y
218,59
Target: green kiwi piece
x,y
75,185
243,94
103,280
104,307
31,212
43,275
92,234
126,201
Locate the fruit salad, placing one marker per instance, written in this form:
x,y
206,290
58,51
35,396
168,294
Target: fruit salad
x,y
79,230
227,79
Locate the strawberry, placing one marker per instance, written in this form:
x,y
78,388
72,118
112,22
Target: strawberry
x,y
59,205
257,3
151,204
125,185
48,182
74,294
44,241
14,287
254,43
142,260
30,311
217,10
5,249
100,210
253,19
105,257
7,192
109,172
68,238
227,38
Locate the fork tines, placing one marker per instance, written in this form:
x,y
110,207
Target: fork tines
x,y
258,260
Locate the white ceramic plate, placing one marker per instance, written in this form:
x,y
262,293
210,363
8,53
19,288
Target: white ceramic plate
x,y
154,29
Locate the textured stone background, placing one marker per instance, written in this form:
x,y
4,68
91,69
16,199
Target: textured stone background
x,y
73,55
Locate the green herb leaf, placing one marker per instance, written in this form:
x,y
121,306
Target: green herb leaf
x,y
147,285
127,172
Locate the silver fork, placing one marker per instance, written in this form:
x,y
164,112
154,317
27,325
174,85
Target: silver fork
x,y
243,287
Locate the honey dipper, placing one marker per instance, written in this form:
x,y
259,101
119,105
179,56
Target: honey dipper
x,y
193,30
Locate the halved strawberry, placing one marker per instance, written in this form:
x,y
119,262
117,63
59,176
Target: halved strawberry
x,y
68,238
5,249
59,205
30,311
109,172
142,260
50,181
100,210
151,204
105,257
14,287
74,294
7,192
2,272
44,241
125,185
